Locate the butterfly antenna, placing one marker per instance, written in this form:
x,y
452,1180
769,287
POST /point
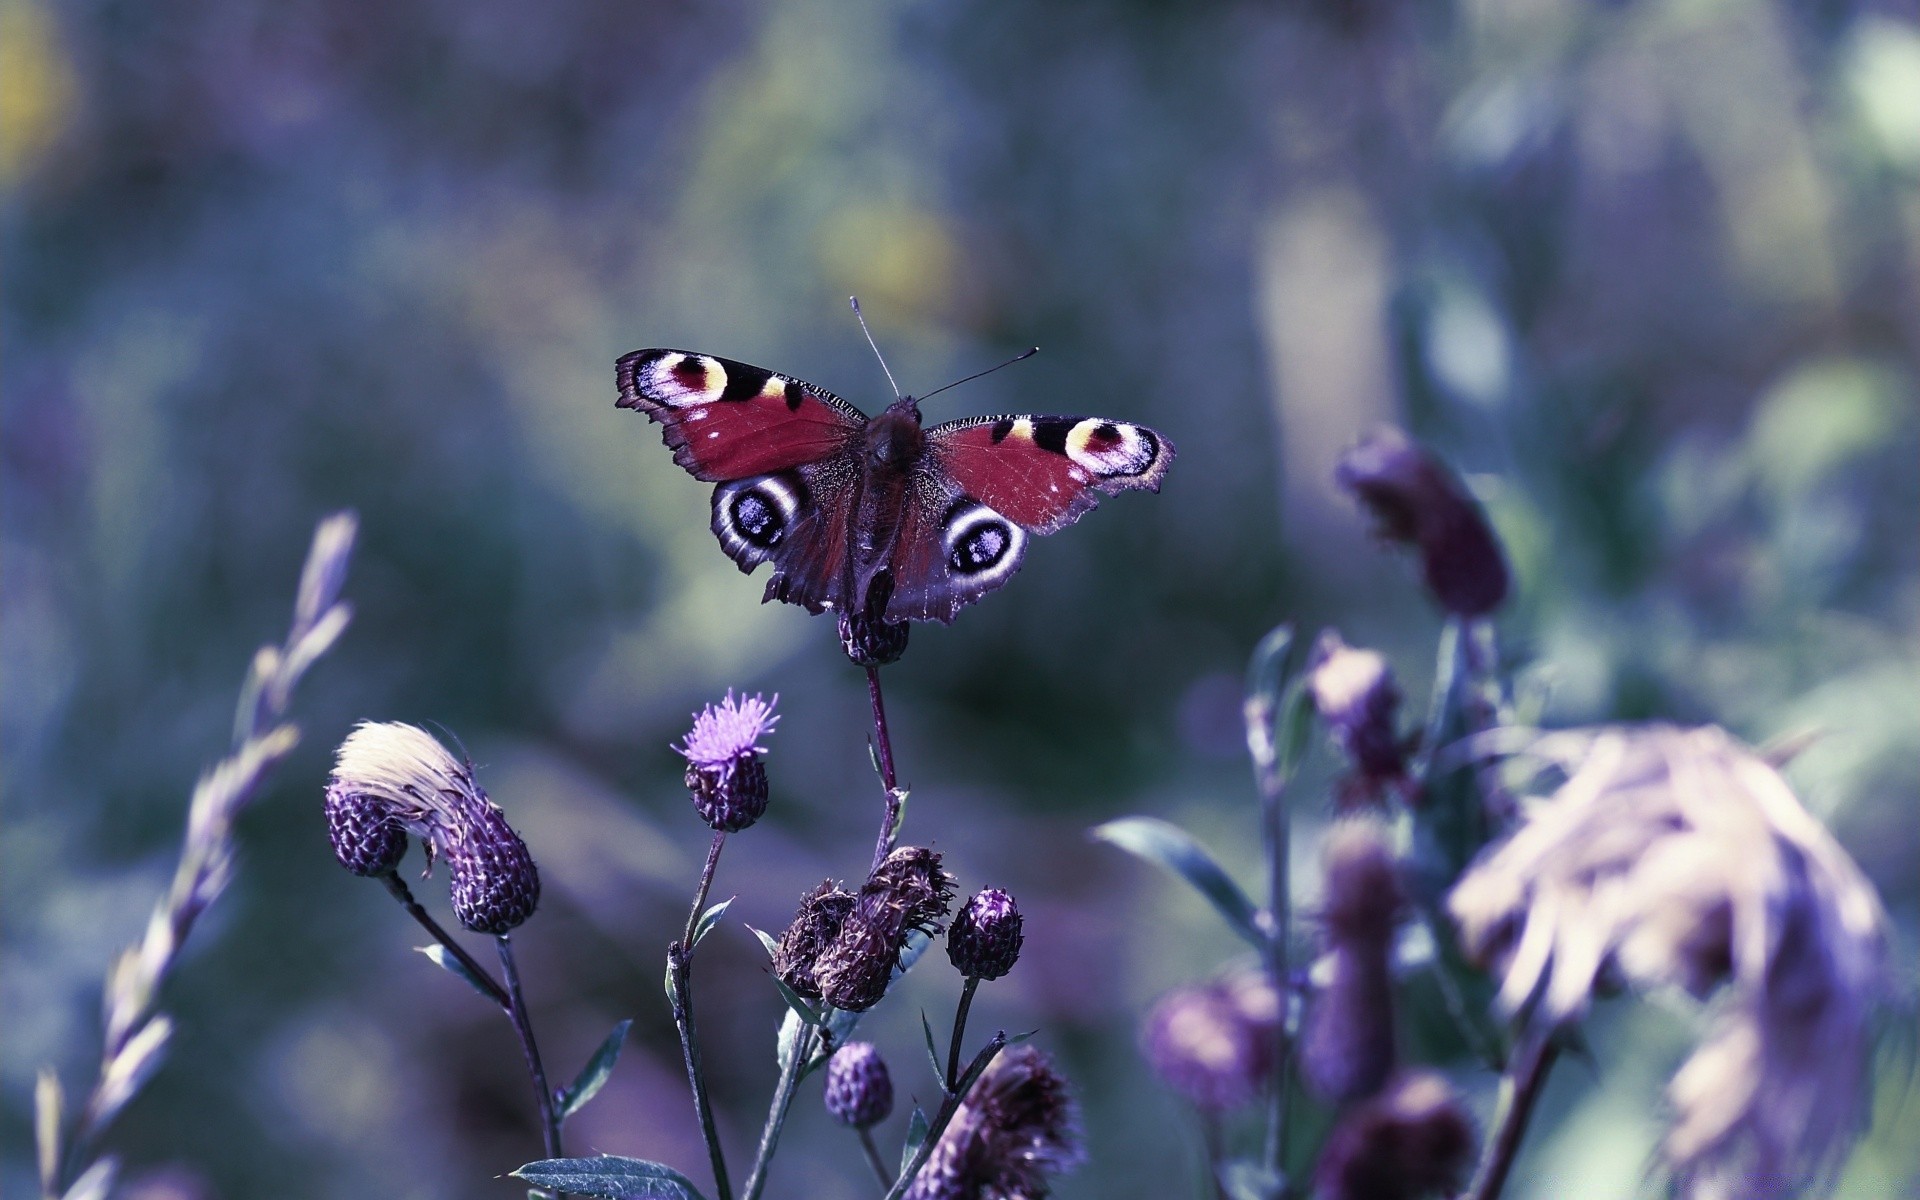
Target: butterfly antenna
x,y
1028,353
855,301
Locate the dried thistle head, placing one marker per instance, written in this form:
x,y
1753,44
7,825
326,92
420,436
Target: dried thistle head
x,y
388,775
821,914
1017,1129
1680,858
1417,500
909,891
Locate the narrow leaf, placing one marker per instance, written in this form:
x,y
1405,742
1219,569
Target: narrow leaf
x,y
439,955
767,940
49,1115
610,1176
594,1075
794,1001
711,918
1172,847
933,1051
916,1137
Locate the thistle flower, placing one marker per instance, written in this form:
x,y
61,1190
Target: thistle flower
x,y
366,837
985,940
1355,694
1416,500
1214,1043
724,772
822,912
400,774
909,891
859,1090
1412,1140
1017,1128
1347,1046
1680,858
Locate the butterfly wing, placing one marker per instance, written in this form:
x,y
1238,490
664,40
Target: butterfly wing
x,y
726,420
1042,473
986,483
795,520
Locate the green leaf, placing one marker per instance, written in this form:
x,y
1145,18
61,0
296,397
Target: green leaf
x,y
1172,847
593,1076
933,1051
801,1008
1245,1179
1295,727
767,940
711,918
610,1176
439,955
916,1137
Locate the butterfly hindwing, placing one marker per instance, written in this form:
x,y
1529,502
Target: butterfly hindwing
x,y
795,520
1044,472
726,420
952,550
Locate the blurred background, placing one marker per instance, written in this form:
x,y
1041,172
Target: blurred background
x,y
1649,271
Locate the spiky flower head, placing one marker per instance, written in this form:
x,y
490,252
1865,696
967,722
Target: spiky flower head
x,y
985,940
1416,500
1347,1044
725,776
859,1090
1214,1043
1017,1129
1355,694
909,891
366,837
1413,1140
821,914
403,774
1680,859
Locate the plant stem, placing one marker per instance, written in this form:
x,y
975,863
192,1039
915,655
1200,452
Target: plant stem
x,y
883,846
873,1159
1519,1090
948,1108
397,887
517,1009
777,1114
1274,836
1210,1136
680,971
959,1031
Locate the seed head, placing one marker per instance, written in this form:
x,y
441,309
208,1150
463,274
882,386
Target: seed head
x,y
909,891
725,776
985,939
822,912
859,1090
1416,500
1017,1129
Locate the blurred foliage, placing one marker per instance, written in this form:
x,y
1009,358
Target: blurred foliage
x,y
1650,269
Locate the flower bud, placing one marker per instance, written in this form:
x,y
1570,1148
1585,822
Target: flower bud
x,y
869,639
367,838
1354,693
985,939
1215,1043
495,884
1347,1045
1412,1140
1416,500
725,776
859,1090
822,912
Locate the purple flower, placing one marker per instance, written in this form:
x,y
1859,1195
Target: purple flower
x,y
1214,1043
725,776
1347,1043
1416,500
1354,693
859,1090
1412,1140
985,940
1017,1128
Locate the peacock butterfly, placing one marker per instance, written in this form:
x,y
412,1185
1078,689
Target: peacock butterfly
x,y
878,516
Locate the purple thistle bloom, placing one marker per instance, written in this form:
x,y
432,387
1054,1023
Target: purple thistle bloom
x,y
859,1090
725,776
985,940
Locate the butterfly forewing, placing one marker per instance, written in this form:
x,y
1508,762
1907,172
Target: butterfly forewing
x,y
726,420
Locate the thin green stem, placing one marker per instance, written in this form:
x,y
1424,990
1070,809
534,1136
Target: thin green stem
x,y
398,889
517,1009
883,746
959,1032
1520,1088
777,1114
1262,712
874,1160
948,1108
680,972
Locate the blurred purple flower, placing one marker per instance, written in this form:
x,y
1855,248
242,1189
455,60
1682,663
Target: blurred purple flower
x,y
1417,500
1355,694
1682,859
1017,1129
1347,1043
1214,1043
1412,1140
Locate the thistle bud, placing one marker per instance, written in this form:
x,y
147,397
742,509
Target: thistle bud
x,y
822,912
859,1090
1416,500
869,639
1215,1043
725,776
909,891
366,837
1412,1140
985,939
1354,693
495,884
1017,1129
1347,1046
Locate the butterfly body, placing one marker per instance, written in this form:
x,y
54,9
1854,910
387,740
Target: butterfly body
x,y
883,516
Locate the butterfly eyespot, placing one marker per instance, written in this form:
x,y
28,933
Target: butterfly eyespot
x,y
752,516
1110,449
981,543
